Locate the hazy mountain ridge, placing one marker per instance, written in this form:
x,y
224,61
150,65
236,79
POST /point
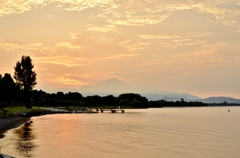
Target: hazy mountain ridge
x,y
111,86
220,99
116,87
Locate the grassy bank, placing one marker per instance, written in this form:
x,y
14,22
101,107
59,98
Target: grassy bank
x,y
17,111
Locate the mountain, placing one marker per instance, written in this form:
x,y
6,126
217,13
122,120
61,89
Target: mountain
x,y
221,99
112,86
115,87
170,96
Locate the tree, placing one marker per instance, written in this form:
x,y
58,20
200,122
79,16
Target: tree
x,y
74,96
7,80
25,78
8,88
133,100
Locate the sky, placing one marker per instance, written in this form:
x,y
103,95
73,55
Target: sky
x,y
185,46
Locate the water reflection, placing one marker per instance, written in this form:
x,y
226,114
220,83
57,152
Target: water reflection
x,y
24,144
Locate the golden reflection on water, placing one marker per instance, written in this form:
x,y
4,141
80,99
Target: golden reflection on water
x,y
24,144
207,132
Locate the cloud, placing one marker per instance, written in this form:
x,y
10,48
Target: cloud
x,y
68,45
66,60
78,52
116,56
11,45
158,37
218,54
177,40
131,13
64,80
107,28
138,46
225,12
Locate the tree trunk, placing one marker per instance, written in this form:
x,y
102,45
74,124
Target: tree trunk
x,y
27,100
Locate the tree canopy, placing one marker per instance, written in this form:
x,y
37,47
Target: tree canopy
x,y
25,77
8,89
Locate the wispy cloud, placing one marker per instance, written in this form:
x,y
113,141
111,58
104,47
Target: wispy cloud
x,y
138,46
116,57
175,41
64,79
136,13
107,28
158,37
11,45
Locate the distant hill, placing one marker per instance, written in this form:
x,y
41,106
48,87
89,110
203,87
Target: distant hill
x,y
115,87
220,100
112,86
170,96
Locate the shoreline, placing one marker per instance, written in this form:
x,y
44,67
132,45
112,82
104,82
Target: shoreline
x,y
11,123
8,123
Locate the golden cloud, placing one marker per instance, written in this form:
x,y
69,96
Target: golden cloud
x,y
11,45
137,13
107,28
62,80
158,36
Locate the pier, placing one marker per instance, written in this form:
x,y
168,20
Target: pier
x,y
113,110
84,110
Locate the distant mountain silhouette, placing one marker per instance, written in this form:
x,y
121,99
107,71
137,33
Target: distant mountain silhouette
x,y
112,86
115,87
170,96
220,100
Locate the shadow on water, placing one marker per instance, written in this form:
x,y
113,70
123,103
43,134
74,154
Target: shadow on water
x,y
24,144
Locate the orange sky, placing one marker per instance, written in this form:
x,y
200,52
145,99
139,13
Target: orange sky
x,y
190,46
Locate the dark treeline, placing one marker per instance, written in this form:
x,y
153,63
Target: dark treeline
x,y
19,89
9,91
182,103
128,100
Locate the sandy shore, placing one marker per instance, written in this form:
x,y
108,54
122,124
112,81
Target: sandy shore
x,y
10,123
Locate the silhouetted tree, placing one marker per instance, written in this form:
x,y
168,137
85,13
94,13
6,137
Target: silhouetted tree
x,y
60,95
74,96
134,100
93,100
25,78
108,100
8,88
7,80
38,95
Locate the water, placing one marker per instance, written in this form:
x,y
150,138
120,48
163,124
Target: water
x,y
205,132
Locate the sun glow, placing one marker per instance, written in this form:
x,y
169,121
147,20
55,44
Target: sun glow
x,y
157,44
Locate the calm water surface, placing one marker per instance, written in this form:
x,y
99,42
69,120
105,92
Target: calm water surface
x,y
206,132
